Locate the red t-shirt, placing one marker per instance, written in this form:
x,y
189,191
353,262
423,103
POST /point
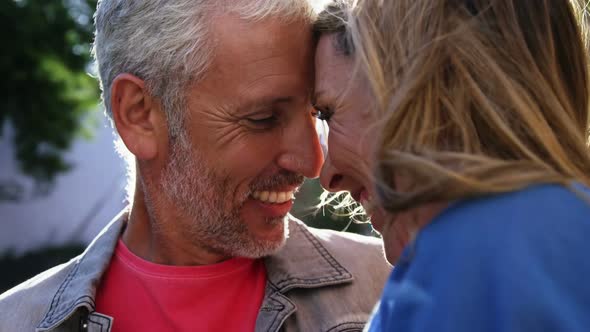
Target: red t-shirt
x,y
143,296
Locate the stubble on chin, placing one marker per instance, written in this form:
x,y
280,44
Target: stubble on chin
x,y
198,195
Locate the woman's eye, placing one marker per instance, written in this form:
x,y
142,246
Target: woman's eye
x,y
322,113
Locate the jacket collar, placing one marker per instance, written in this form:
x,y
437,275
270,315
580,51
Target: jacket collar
x,y
79,287
302,263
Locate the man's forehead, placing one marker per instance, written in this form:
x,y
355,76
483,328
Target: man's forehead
x,y
262,102
232,33
263,60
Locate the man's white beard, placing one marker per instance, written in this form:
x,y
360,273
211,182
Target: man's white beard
x,y
201,196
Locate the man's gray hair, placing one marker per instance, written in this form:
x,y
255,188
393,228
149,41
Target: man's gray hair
x,y
166,42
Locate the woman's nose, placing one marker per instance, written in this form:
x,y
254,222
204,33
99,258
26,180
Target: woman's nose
x,y
330,178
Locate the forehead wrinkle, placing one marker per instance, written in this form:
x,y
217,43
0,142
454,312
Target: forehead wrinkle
x,y
207,105
278,53
252,84
262,103
245,67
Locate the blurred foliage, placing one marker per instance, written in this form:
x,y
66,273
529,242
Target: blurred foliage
x,y
45,92
16,269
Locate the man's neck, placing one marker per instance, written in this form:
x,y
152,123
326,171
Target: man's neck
x,y
154,237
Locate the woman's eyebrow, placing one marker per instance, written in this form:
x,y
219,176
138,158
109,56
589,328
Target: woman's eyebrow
x,y
317,95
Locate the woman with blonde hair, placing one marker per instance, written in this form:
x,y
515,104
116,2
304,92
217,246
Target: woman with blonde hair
x,y
462,128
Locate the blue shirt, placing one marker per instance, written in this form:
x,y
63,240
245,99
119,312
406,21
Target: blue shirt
x,y
511,262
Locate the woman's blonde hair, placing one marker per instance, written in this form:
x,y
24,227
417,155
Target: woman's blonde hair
x,y
474,96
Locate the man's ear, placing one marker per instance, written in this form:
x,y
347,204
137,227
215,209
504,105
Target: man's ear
x,y
136,116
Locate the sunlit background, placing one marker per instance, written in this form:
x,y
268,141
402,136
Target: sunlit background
x,y
61,180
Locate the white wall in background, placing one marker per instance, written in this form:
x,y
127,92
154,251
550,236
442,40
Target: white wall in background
x,y
82,202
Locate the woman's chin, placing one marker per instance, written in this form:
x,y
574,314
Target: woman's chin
x,y
378,218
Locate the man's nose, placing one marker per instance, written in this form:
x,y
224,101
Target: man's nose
x,y
302,153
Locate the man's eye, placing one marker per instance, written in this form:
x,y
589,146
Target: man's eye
x,y
322,113
262,122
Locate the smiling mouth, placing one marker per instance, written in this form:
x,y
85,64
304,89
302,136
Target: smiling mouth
x,y
274,197
363,197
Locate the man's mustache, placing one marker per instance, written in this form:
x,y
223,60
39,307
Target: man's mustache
x,y
282,179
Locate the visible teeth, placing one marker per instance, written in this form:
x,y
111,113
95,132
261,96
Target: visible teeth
x,y
277,197
367,205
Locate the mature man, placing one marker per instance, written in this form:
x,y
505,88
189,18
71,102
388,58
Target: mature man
x,y
212,99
